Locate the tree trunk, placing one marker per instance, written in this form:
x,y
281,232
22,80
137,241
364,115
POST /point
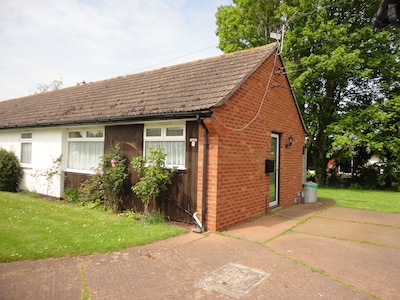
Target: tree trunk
x,y
326,109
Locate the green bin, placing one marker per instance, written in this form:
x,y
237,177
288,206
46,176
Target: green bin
x,y
310,192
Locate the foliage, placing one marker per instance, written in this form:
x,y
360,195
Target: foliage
x,y
35,228
90,191
385,201
71,195
377,129
338,63
44,87
368,177
10,171
106,185
310,176
246,24
155,217
113,177
153,175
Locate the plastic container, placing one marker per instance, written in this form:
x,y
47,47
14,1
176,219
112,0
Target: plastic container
x,y
310,192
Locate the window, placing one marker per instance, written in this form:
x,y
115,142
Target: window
x,y
26,148
85,148
169,137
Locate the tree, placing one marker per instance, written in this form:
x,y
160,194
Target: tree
x,y
153,175
377,130
246,24
337,61
44,87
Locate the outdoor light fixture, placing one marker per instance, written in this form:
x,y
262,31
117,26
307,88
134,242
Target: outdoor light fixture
x,y
290,142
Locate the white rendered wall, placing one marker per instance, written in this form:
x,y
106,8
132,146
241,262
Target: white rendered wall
x,y
47,145
10,141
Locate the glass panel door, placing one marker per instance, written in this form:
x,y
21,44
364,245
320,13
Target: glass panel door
x,y
274,176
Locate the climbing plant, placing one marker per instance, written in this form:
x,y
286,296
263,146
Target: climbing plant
x,y
154,176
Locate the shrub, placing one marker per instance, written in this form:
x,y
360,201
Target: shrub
x,y
90,192
106,186
10,171
153,175
113,176
368,177
71,195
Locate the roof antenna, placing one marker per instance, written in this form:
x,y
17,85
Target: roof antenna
x,y
281,36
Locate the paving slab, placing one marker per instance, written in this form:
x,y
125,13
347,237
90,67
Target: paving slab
x,y
304,211
170,269
262,229
277,222
178,272
362,216
353,231
294,253
359,247
369,268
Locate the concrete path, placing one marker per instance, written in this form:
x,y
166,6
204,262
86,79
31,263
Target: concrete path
x,y
310,251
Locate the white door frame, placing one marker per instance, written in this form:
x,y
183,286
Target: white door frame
x,y
274,176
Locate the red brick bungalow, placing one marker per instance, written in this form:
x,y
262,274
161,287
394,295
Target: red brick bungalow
x,y
230,123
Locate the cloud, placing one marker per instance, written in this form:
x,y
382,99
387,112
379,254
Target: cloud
x,y
44,40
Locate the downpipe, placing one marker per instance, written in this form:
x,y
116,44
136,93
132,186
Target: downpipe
x,y
204,187
197,221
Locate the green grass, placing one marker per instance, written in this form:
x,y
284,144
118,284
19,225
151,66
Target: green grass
x,y
34,228
385,201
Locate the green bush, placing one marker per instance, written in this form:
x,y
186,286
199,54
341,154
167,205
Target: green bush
x,y
90,191
10,171
368,177
71,195
114,175
107,185
154,176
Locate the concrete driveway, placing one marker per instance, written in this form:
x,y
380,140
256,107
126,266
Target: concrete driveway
x,y
310,251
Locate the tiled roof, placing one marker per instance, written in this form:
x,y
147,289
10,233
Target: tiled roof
x,y
190,87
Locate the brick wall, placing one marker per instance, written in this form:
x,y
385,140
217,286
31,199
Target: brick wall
x,y
237,185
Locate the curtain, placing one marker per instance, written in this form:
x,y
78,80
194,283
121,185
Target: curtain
x,y
84,155
26,153
175,151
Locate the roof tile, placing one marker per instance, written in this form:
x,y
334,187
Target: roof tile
x,y
188,87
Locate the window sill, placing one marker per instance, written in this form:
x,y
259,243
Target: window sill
x,y
89,172
26,166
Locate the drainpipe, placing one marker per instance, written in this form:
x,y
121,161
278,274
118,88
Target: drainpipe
x,y
204,187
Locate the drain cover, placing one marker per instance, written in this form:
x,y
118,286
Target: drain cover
x,y
233,280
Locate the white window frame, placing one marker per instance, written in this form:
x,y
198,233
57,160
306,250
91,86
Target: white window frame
x,y
164,138
26,139
84,137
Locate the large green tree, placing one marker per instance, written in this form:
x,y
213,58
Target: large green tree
x,y
338,63
376,129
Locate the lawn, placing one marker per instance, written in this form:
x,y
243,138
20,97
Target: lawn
x,y
386,201
34,228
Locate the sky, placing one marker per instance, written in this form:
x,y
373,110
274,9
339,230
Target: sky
x,y
91,40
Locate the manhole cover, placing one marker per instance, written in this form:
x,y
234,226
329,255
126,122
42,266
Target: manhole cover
x,y
233,280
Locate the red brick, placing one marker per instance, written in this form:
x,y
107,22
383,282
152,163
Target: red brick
x,y
237,187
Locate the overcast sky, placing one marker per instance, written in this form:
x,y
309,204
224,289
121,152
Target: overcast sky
x,y
91,40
